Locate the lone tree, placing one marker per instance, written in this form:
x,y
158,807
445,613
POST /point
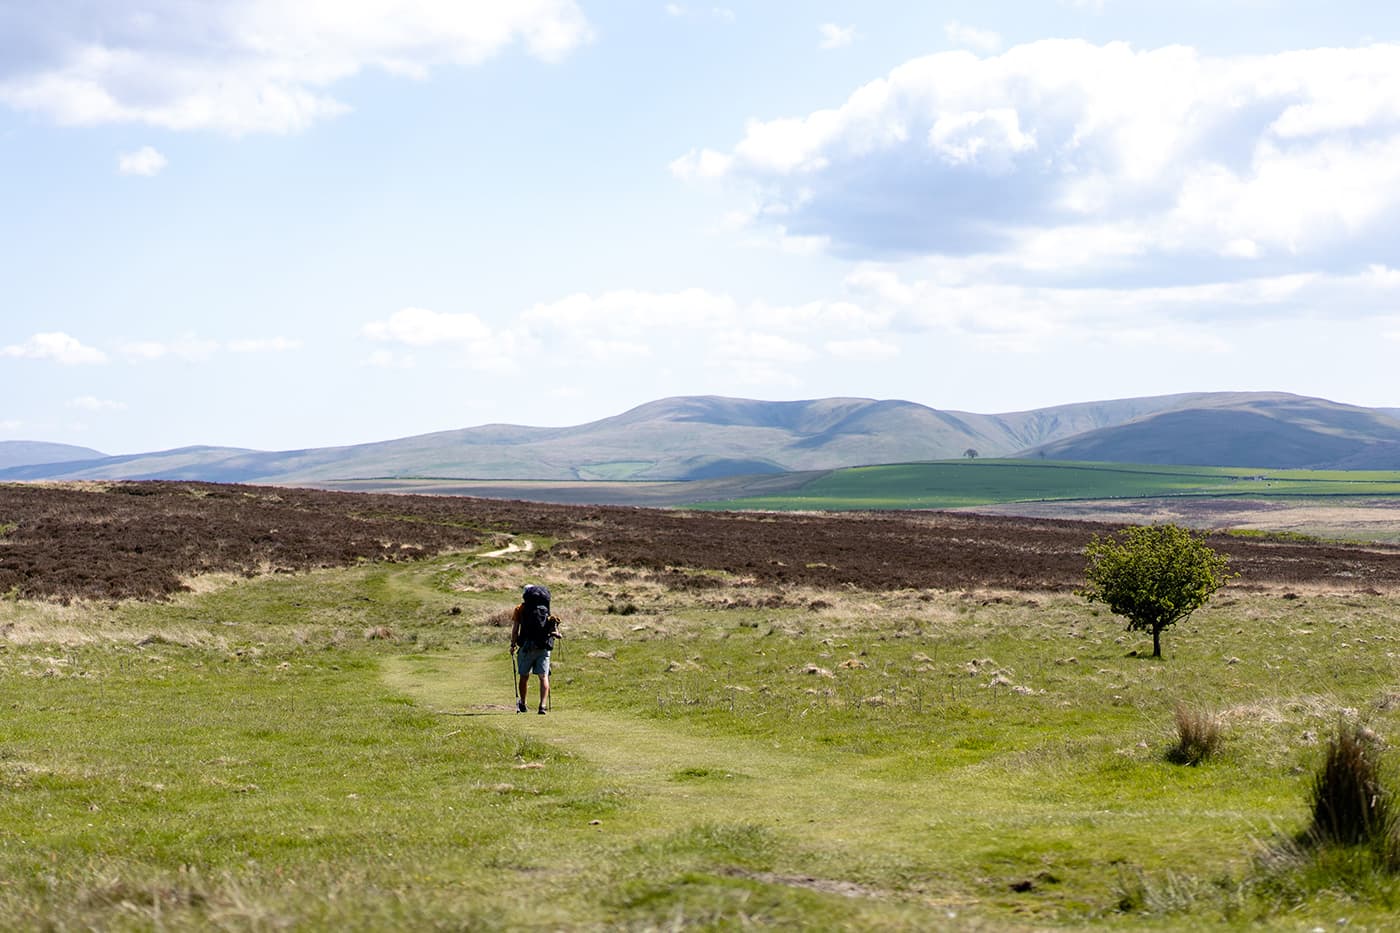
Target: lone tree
x,y
1153,575
971,453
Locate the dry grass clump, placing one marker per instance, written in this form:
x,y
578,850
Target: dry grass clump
x,y
1350,804
1198,736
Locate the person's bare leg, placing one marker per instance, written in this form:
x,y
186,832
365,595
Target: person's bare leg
x,y
524,686
544,691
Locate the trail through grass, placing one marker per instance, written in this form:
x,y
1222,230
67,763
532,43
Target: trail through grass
x,y
338,750
932,832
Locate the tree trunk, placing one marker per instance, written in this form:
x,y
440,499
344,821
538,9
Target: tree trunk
x,y
1156,642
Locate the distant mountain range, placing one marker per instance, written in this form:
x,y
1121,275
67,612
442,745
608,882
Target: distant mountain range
x,y
708,437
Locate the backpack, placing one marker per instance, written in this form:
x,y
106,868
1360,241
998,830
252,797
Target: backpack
x,y
536,624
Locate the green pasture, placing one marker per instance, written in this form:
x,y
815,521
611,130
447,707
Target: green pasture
x,y
955,483
337,751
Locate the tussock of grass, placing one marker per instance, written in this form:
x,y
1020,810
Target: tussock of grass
x,y
1351,804
1198,736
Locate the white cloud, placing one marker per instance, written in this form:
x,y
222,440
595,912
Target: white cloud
x,y
190,349
11,425
243,66
264,345
771,348
982,40
836,37
1092,154
1024,317
420,327
56,346
700,163
145,161
92,403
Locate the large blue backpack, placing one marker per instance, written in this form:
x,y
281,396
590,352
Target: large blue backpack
x,y
536,624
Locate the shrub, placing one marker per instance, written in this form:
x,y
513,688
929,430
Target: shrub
x,y
1154,576
1197,736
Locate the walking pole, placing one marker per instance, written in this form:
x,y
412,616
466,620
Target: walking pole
x,y
514,680
558,641
551,678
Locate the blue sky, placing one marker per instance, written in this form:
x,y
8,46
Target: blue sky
x,y
276,225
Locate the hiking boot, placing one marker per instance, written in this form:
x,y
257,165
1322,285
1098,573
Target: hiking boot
x,y
520,706
542,711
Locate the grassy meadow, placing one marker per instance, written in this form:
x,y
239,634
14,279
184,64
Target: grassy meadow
x,y
957,483
336,750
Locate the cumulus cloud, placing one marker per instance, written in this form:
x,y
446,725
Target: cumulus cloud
x,y
836,37
189,348
92,403
754,340
983,40
145,161
420,327
1062,156
245,66
477,344
1017,317
57,347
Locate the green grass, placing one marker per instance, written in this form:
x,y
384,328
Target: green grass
x,y
955,483
247,758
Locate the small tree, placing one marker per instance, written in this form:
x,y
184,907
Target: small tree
x,y
1153,575
971,453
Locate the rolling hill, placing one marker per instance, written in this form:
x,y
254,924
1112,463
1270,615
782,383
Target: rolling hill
x,y
706,438
1255,430
24,453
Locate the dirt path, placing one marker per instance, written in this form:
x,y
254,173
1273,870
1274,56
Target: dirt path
x,y
644,755
512,548
672,779
836,820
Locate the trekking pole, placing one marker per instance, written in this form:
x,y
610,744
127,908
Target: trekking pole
x,y
552,683
514,680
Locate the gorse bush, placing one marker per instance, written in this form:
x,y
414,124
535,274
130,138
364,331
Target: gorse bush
x,y
1350,805
1197,736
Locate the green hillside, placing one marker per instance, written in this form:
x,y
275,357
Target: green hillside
x,y
956,483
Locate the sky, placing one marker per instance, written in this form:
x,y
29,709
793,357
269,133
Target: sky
x,y
278,225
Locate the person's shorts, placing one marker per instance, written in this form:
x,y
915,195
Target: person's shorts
x,y
532,661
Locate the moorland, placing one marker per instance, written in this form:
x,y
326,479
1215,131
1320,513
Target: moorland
x,y
240,707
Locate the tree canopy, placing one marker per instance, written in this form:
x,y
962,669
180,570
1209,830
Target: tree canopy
x,y
1153,575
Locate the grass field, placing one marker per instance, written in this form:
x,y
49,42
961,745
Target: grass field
x,y
954,484
335,750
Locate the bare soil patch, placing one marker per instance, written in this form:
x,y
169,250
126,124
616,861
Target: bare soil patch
x,y
143,540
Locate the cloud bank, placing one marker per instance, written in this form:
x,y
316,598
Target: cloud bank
x,y
1061,157
249,66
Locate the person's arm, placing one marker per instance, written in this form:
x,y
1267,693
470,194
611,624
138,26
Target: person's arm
x,y
515,628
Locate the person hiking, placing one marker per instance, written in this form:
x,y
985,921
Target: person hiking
x,y
533,630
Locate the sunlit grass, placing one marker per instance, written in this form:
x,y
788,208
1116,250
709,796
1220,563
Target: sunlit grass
x,y
257,756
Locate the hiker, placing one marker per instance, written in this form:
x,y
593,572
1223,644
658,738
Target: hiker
x,y
532,633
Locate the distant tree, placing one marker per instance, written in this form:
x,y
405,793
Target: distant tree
x,y
1154,576
971,453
